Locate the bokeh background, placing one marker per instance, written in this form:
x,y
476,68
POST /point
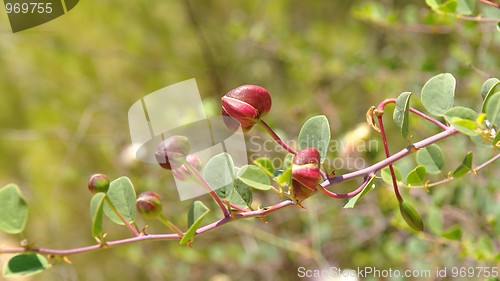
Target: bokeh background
x,y
66,87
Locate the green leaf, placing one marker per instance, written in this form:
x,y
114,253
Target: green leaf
x,y
454,233
288,161
465,167
411,216
13,210
416,176
449,7
285,177
122,194
219,172
463,119
493,108
464,126
265,164
466,7
240,194
433,4
489,87
461,112
386,174
492,84
496,139
25,264
316,133
438,93
254,177
353,200
96,211
432,158
196,213
401,113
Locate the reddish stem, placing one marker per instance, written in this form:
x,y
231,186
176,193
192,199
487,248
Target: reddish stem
x,y
388,154
487,2
276,138
345,195
414,111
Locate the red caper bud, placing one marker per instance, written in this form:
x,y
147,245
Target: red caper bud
x,y
98,183
149,204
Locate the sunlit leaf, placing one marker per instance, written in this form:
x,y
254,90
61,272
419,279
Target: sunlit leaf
x,y
464,126
353,200
254,177
285,177
438,93
386,174
196,213
122,194
316,133
13,209
401,113
411,216
432,158
416,176
265,164
96,211
465,167
496,140
25,264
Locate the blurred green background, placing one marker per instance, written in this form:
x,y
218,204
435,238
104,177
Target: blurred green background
x,y
66,87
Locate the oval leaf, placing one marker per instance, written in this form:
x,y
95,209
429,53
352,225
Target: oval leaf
x,y
411,216
96,211
196,213
465,167
265,164
493,109
461,112
466,7
240,194
438,93
13,209
122,194
489,87
416,176
496,140
219,172
353,200
401,113
316,133
25,264
254,177
432,158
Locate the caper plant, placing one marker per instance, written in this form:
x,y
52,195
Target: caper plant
x,y
300,176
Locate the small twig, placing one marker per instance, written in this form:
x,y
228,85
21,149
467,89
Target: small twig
x,y
487,2
448,179
345,195
120,216
208,188
270,131
414,111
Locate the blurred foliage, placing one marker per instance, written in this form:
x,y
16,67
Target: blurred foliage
x,y
66,87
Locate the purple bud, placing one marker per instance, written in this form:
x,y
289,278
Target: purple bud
x,y
149,204
98,183
172,151
182,173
